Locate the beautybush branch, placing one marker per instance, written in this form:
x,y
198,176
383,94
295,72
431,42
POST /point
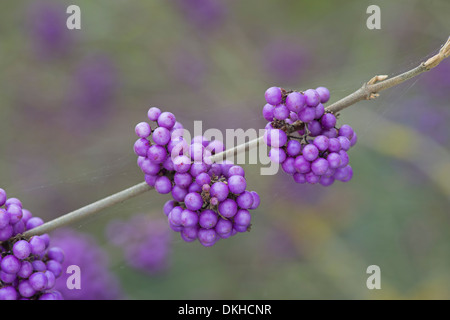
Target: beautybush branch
x,y
368,91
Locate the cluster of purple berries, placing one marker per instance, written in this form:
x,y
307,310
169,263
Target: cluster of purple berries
x,y
28,267
304,138
210,200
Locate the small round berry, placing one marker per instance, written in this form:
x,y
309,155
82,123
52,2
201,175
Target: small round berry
x,y
346,131
219,190
312,97
295,101
256,200
157,153
321,142
208,219
324,94
319,166
189,218
207,237
310,152
277,155
273,96
307,114
166,120
328,121
293,148
163,185
161,136
10,264
228,208
237,184
268,112
245,200
153,113
275,138
281,112
193,201
21,249
143,130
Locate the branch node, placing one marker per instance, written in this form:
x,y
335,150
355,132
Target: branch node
x,y
377,78
441,55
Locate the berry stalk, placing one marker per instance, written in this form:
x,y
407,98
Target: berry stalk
x,y
89,210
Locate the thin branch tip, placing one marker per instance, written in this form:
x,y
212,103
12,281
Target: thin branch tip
x,y
441,55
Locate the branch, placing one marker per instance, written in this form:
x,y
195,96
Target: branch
x,y
371,89
368,91
89,210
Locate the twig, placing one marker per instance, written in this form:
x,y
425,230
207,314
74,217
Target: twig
x,y
89,210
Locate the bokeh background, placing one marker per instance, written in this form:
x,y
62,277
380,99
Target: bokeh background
x,y
69,101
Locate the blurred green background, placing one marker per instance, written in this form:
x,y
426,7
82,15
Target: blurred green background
x,y
69,101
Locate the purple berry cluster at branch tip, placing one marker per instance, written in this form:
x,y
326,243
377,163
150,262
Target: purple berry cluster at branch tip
x,y
28,267
210,200
304,138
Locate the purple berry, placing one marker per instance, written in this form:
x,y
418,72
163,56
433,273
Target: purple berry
x,y
22,249
346,131
166,120
237,184
320,110
182,180
163,185
157,154
281,112
189,218
315,128
345,143
219,190
310,152
268,112
277,155
334,145
256,200
153,113
321,142
299,178
288,165
328,121
223,226
182,164
273,96
143,130
207,237
275,138
293,148
334,160
161,136
324,94
38,281
319,166
10,264
312,98
141,147
208,219
193,201
242,218
295,101
228,208
307,114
